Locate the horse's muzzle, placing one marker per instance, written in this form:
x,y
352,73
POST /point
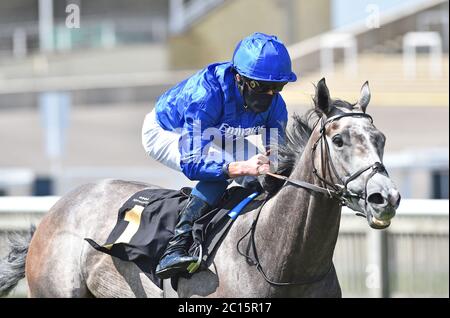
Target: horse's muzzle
x,y
382,208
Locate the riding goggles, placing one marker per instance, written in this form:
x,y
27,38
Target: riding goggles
x,y
262,87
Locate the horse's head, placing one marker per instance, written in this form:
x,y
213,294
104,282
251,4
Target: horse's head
x,y
349,154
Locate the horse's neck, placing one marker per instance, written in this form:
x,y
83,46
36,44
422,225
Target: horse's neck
x,y
307,225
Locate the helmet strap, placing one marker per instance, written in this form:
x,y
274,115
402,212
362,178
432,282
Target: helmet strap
x,y
241,86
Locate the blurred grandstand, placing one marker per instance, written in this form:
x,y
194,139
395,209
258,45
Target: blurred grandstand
x,y
104,76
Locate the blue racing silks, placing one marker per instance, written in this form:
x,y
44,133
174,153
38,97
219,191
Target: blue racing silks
x,y
211,98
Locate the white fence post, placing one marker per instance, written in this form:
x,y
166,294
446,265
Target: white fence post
x,y
176,16
331,41
426,19
19,43
46,27
377,279
108,35
411,41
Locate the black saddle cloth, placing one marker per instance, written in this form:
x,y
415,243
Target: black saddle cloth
x,y
146,222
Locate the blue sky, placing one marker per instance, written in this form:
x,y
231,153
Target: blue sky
x,y
348,11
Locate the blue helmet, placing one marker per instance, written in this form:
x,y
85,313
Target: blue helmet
x,y
263,57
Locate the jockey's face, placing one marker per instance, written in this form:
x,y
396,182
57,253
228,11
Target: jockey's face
x,y
261,87
257,97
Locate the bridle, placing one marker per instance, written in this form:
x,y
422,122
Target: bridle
x,y
338,191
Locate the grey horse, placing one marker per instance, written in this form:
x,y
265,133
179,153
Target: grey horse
x,y
295,235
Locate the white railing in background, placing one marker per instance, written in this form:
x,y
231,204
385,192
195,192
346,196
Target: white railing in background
x,y
19,212
16,176
26,204
21,38
409,259
95,81
413,40
311,45
428,19
417,207
405,163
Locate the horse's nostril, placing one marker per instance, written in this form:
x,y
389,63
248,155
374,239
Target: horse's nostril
x,y
398,201
394,199
376,198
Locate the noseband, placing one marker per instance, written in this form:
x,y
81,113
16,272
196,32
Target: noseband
x,y
339,190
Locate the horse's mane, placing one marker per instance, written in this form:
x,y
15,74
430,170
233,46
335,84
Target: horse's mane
x,y
296,138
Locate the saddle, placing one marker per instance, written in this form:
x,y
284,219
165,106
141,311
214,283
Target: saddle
x,y
146,223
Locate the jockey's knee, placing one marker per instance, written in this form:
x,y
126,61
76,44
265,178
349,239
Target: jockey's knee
x,y
210,191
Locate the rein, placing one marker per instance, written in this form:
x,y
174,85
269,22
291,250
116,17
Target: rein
x,y
255,261
337,191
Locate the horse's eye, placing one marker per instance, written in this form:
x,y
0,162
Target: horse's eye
x,y
337,140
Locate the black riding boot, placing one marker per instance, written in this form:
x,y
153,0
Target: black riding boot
x,y
176,258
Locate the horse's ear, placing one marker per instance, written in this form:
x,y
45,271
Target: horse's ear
x,y
322,98
364,97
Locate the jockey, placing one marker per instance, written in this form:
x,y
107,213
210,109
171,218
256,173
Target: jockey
x,y
195,125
